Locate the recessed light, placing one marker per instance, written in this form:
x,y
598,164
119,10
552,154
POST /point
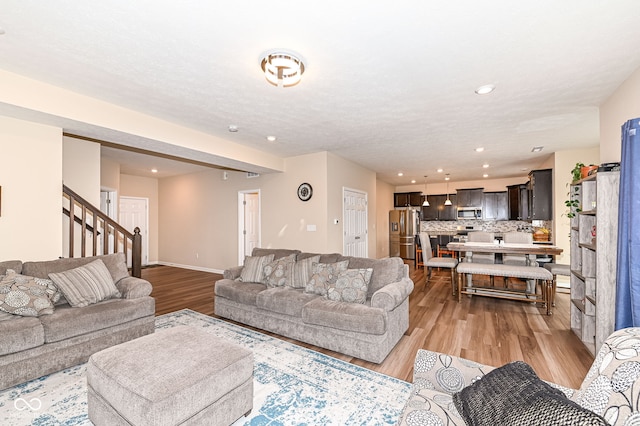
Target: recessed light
x,y
400,174
447,177
487,88
485,175
271,138
233,128
485,166
440,170
479,149
154,170
537,148
413,181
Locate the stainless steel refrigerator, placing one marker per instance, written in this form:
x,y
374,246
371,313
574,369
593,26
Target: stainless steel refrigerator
x,y
404,225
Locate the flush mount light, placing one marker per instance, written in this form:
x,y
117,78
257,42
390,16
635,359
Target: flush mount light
x,y
479,149
282,68
487,88
233,128
271,138
537,148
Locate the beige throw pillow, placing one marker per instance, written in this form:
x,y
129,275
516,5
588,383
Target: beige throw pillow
x,y
278,273
26,296
351,286
302,272
253,269
323,274
86,285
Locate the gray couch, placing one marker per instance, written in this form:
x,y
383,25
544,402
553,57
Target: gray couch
x,y
367,331
31,347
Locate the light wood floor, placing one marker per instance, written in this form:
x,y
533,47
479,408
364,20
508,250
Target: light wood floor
x,y
489,331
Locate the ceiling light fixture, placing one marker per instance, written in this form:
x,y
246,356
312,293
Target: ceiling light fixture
x,y
486,89
233,128
537,148
485,175
271,138
282,69
447,202
400,174
440,170
479,149
154,170
485,166
425,203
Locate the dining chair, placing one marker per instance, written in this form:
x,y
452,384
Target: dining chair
x,y
481,237
519,259
437,262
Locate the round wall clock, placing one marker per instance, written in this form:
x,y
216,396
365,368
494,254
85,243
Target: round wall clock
x,y
305,192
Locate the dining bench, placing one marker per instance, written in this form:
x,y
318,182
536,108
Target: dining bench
x,y
536,273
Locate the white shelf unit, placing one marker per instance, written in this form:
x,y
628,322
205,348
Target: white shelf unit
x,y
594,237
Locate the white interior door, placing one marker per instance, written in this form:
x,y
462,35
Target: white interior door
x,y
134,213
249,223
355,223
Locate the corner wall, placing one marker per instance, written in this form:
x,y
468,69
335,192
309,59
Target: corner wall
x,y
31,181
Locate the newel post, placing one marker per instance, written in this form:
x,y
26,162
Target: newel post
x,y
136,254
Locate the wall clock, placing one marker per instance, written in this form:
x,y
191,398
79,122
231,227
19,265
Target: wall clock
x,y
305,192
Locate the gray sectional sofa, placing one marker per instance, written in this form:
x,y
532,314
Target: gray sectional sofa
x,y
31,347
368,330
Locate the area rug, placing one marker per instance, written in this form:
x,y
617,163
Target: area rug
x,y
292,386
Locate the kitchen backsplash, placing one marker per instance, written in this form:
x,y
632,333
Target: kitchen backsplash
x,y
497,226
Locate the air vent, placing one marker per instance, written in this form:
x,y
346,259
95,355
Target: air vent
x,y
252,175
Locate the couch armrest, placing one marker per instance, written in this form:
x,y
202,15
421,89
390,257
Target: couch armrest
x,y
445,373
392,295
232,273
134,288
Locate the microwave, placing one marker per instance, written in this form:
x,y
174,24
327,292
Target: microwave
x,y
469,213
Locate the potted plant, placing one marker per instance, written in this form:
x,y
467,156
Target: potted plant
x,y
576,172
573,203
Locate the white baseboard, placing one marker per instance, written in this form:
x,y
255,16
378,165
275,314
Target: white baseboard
x,y
194,268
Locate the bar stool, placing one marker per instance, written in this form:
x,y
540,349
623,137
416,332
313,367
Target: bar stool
x,y
437,262
556,269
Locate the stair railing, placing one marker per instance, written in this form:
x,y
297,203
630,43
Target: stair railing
x,y
94,222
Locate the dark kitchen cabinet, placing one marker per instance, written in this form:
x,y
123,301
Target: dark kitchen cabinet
x,y
470,197
496,206
518,202
437,210
540,195
404,199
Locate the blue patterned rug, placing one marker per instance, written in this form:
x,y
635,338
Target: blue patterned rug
x,y
292,386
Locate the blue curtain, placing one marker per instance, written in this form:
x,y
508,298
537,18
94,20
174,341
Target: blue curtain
x,y
628,268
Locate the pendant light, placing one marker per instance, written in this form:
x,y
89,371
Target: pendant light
x,y
425,203
447,201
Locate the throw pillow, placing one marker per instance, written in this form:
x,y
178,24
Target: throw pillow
x,y
253,269
86,285
351,286
514,395
278,273
302,272
26,296
323,274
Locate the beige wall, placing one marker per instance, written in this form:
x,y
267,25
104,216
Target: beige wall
x,y
198,219
81,168
622,105
109,175
143,187
384,203
30,177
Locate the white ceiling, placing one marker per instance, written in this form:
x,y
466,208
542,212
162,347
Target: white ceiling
x,y
388,85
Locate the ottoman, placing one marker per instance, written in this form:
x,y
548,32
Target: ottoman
x,y
179,376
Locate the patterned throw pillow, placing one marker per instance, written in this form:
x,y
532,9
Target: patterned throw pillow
x,y
278,273
351,286
86,285
302,272
253,269
26,296
323,274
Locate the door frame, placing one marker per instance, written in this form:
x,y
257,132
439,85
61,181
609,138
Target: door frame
x,y
241,221
145,237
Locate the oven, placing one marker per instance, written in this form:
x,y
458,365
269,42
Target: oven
x,y
469,213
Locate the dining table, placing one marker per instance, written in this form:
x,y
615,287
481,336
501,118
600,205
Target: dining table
x,y
531,250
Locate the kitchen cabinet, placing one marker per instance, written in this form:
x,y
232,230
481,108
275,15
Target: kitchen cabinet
x,y
405,199
593,258
496,206
540,195
470,197
437,210
518,201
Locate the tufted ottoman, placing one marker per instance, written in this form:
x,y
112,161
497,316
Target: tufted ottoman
x,y
179,376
